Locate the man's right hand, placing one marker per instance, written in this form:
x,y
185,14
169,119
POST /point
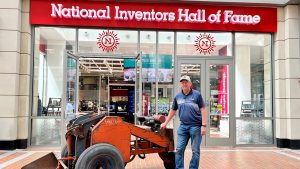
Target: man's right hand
x,y
163,125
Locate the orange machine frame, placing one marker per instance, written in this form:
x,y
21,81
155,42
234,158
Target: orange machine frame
x,y
114,131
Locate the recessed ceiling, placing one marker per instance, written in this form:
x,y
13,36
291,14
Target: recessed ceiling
x,y
101,65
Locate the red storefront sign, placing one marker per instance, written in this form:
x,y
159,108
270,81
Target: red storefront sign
x,y
173,16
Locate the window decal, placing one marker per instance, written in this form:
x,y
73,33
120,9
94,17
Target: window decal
x,y
108,41
205,43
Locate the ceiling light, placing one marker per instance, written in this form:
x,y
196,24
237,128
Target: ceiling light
x,y
188,37
86,34
148,36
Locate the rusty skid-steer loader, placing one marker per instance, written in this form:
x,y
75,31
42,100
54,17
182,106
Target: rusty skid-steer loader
x,y
108,142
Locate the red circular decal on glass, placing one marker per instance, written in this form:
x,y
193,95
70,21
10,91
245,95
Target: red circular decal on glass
x,y
205,43
108,41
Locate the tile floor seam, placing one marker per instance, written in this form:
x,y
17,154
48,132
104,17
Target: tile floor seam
x,y
235,150
295,151
6,154
210,159
15,159
288,155
25,161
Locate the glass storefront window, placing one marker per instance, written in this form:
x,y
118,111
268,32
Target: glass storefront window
x,y
148,49
46,131
253,75
165,72
148,42
51,46
122,42
138,94
254,131
219,101
252,58
71,95
204,44
253,85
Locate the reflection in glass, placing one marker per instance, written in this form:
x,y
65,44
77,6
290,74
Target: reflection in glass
x,y
48,71
192,70
46,132
89,93
138,104
122,41
254,131
148,48
219,101
204,44
254,87
50,49
165,79
253,75
165,72
71,89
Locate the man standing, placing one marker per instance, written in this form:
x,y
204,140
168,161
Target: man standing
x,y
192,115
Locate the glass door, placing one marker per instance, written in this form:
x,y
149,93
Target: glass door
x,y
72,87
195,68
219,103
70,94
138,89
214,80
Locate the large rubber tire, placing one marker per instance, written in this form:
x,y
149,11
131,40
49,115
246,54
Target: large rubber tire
x,y
168,159
100,155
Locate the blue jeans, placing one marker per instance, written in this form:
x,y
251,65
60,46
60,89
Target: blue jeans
x,y
184,133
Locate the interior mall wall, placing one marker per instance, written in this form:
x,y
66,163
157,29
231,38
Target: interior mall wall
x,y
15,50
48,79
55,69
287,74
89,91
243,75
267,78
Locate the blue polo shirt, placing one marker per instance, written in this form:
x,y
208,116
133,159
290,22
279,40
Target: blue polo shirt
x,y
189,107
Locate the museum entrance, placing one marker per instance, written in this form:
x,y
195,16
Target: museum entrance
x,y
107,85
214,80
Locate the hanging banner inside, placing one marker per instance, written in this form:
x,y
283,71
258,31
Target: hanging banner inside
x,y
149,68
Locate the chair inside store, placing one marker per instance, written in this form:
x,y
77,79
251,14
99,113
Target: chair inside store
x,y
53,107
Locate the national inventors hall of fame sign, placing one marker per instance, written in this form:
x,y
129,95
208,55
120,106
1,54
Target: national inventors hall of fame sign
x,y
170,16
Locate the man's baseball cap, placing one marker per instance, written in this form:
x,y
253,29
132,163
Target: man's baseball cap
x,y
185,77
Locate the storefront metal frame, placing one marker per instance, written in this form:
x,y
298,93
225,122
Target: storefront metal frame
x,y
232,58
272,75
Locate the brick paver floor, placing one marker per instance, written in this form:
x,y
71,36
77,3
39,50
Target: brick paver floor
x,y
211,158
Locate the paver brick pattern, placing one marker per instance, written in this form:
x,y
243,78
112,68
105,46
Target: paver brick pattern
x,y
211,158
